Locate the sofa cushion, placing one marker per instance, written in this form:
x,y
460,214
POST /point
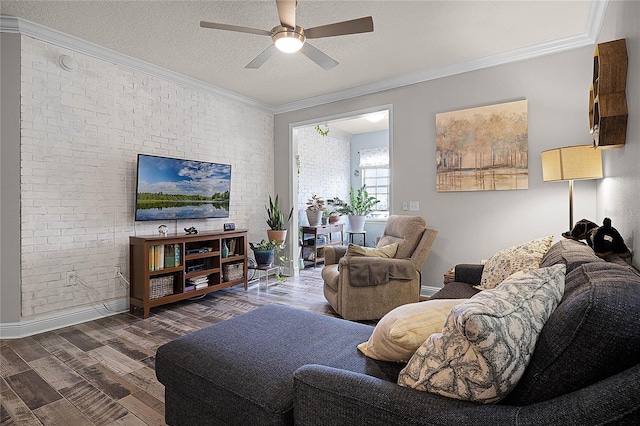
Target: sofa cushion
x,y
523,257
593,334
571,253
388,251
400,332
486,342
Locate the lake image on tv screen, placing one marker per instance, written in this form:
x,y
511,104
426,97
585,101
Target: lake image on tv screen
x,y
181,189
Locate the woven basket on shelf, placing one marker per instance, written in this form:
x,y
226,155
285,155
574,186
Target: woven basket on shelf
x,y
232,271
160,286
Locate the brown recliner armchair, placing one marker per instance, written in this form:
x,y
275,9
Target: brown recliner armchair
x,y
366,288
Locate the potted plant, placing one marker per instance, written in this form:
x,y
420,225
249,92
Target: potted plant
x,y
276,220
359,206
264,251
332,215
315,207
325,216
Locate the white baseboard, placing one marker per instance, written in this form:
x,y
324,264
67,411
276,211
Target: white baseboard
x,y
26,328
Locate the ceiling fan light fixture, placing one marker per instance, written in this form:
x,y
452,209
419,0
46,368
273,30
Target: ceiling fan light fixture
x,y
288,40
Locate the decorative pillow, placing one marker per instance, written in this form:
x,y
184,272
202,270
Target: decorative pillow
x,y
523,257
486,343
400,332
510,277
388,251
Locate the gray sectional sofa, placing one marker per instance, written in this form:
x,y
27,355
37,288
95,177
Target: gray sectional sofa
x,y
278,365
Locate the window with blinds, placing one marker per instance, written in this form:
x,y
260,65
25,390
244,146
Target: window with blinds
x,y
375,173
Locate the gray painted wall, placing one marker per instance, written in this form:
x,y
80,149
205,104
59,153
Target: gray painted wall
x,y
9,178
619,191
474,225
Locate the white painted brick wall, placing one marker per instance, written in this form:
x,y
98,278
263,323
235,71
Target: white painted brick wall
x,y
324,167
80,136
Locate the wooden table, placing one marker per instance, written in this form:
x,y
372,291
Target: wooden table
x,y
317,249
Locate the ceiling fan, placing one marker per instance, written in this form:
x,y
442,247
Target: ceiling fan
x,y
288,37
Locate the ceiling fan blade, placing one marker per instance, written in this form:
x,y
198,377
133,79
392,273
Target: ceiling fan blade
x,y
317,56
261,58
354,26
287,12
227,27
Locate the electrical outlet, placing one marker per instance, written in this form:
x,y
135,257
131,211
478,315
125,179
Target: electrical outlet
x,y
116,271
71,278
405,206
414,205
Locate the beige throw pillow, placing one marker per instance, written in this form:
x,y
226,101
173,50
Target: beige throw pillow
x,y
400,332
388,251
523,257
486,343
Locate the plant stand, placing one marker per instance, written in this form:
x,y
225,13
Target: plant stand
x,y
266,270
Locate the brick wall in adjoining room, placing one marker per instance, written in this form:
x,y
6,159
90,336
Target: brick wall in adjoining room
x,y
80,136
324,166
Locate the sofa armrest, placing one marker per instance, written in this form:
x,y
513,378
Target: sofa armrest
x,y
372,271
325,396
333,254
469,273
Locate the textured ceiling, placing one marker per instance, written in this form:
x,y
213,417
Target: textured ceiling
x,y
410,37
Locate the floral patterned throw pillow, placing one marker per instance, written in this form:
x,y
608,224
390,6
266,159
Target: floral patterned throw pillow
x,y
523,257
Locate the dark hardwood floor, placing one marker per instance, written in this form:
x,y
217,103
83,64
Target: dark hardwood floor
x,y
102,372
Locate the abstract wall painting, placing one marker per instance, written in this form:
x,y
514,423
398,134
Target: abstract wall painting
x,y
483,149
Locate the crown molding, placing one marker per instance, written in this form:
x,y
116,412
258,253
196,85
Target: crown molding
x,y
588,38
11,24
530,52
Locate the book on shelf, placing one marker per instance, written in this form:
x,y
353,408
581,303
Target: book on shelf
x,y
189,287
199,279
169,256
202,285
164,256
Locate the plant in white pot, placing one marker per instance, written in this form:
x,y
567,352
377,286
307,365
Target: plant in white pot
x,y
276,220
359,206
315,208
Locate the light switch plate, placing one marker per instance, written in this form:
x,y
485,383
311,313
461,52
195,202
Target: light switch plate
x,y
405,206
414,205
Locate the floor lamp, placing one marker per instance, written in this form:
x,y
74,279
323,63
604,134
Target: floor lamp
x,y
571,163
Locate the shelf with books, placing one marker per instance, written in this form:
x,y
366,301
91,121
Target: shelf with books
x,y
166,269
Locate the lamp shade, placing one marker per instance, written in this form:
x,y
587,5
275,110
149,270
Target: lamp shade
x,y
571,163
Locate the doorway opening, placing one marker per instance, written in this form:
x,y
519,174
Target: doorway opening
x,y
329,154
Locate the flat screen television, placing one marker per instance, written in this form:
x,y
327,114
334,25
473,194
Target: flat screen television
x,y
171,188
